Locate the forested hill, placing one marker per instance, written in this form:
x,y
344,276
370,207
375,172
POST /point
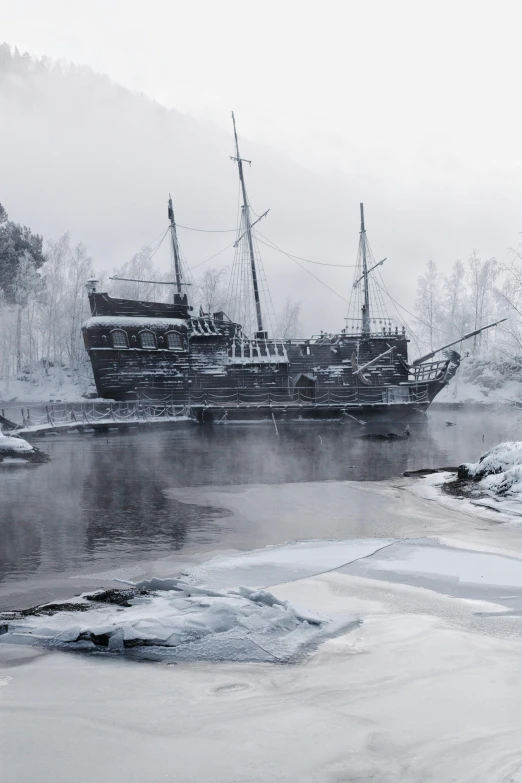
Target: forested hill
x,y
79,153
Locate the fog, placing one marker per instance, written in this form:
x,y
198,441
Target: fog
x,y
412,112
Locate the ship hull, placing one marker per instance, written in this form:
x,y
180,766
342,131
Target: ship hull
x,y
206,365
363,414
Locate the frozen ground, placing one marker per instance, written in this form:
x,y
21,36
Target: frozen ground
x,y
485,381
493,483
52,384
426,688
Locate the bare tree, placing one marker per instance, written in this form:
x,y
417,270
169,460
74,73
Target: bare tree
x,y
429,304
288,324
456,301
141,268
482,276
211,290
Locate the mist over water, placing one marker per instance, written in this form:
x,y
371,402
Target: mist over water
x,y
101,501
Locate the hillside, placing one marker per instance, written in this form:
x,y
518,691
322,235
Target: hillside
x,y
80,153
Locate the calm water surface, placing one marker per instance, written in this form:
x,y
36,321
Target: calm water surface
x,y
100,502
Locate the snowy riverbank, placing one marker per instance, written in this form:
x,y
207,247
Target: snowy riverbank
x,y
493,483
48,385
484,381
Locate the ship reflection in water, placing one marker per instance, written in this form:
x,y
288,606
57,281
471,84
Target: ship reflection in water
x,y
100,502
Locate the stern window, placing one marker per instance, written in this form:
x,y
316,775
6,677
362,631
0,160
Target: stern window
x,y
174,341
119,339
147,340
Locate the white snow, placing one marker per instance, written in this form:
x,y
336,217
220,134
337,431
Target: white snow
x,y
410,695
179,622
486,381
499,459
52,384
499,470
11,446
137,322
494,485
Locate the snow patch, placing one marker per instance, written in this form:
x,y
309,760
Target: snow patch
x,y
10,446
48,384
498,471
134,322
485,381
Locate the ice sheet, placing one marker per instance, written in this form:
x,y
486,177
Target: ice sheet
x,y
175,622
274,565
479,568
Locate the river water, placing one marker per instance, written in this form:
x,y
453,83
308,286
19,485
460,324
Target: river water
x,y
107,501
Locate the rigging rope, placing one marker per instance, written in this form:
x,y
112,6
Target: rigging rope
x,y
211,257
159,243
305,269
308,260
407,311
209,230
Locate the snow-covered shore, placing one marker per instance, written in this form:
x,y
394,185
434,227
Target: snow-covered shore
x,y
485,381
48,385
492,483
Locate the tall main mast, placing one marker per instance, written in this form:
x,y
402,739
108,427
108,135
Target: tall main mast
x,y
366,306
175,249
248,229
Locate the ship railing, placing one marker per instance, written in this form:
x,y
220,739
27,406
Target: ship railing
x,y
64,416
318,397
428,372
244,350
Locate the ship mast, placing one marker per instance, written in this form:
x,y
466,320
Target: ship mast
x,y
175,249
248,230
366,305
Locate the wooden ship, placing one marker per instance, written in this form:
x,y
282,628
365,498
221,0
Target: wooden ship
x,y
226,367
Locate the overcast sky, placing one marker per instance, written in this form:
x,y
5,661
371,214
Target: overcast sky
x,y
397,84
419,102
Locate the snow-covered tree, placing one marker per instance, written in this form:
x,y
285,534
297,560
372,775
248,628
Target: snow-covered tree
x,y
429,304
17,244
456,316
211,290
141,267
288,324
482,276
